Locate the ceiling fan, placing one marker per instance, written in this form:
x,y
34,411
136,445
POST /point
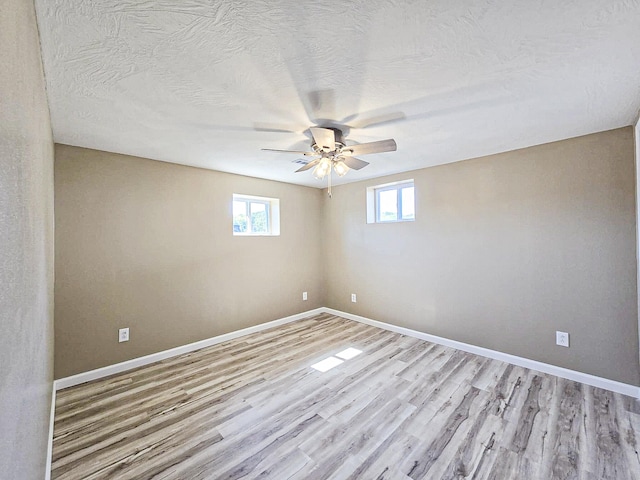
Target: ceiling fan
x,y
333,153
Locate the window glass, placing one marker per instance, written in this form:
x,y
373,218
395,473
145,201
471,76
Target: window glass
x,y
387,205
408,204
258,217
239,216
255,215
391,202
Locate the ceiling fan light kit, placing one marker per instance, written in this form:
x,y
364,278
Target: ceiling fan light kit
x,y
328,144
341,168
322,169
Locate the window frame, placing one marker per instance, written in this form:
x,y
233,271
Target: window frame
x,y
272,213
373,201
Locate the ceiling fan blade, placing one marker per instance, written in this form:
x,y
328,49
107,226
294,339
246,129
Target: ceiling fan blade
x,y
324,138
299,152
320,104
276,128
354,163
308,166
371,147
378,120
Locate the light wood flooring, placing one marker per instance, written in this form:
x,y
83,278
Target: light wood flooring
x,y
402,409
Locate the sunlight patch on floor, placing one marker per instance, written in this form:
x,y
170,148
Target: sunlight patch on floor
x,y
349,353
326,364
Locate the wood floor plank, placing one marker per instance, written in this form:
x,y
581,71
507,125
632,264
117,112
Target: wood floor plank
x,y
286,465
610,458
422,460
402,409
631,430
476,442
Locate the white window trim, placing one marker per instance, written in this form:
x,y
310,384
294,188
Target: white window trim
x,y
273,215
372,200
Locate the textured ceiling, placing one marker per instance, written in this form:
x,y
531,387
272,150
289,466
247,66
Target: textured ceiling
x,y
209,83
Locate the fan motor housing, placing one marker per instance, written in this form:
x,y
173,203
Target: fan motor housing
x,y
339,141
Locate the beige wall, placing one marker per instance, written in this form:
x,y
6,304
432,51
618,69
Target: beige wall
x,y
636,137
505,250
149,246
26,247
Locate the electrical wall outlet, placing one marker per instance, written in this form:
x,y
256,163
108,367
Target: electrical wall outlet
x,y
353,297
304,295
123,335
562,339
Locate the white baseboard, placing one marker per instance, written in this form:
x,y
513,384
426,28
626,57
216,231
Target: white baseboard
x,y
594,381
47,473
588,379
173,352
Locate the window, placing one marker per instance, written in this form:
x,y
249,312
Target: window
x,y
391,202
255,215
